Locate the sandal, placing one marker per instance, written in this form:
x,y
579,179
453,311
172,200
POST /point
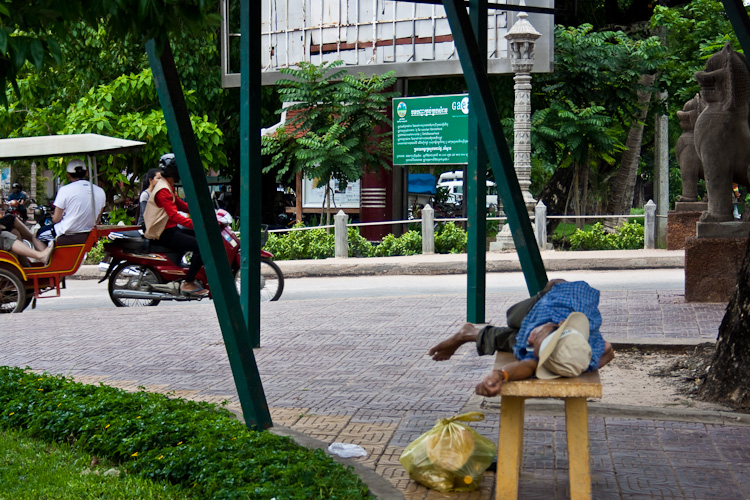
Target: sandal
x,y
198,292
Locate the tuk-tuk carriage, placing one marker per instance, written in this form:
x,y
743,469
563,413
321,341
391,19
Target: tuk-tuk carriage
x,y
21,284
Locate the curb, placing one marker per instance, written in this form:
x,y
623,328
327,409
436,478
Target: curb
x,y
556,408
437,264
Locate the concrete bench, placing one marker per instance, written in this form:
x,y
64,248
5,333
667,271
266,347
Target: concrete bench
x,y
575,392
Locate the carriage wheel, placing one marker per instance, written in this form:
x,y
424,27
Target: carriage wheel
x,y
12,292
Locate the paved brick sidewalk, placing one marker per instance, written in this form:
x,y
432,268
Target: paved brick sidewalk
x,y
355,370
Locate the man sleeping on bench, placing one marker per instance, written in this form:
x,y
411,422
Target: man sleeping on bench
x,y
553,334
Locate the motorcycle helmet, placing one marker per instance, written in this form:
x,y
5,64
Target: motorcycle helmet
x,y
223,217
17,185
168,166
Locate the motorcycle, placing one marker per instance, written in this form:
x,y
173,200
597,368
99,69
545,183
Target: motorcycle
x,y
143,273
43,215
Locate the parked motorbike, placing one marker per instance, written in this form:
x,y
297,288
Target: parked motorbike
x,y
43,214
143,273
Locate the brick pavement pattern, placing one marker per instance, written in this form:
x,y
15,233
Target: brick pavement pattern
x,y
356,370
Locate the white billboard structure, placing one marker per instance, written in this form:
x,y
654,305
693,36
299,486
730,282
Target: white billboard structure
x,y
376,36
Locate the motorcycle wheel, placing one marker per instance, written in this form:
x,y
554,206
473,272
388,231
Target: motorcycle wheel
x,y
271,280
12,292
133,277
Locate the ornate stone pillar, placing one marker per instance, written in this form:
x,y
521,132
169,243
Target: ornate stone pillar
x,y
521,40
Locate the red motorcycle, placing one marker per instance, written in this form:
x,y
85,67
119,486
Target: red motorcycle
x,y
143,273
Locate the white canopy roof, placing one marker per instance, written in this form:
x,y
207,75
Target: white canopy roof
x,y
64,145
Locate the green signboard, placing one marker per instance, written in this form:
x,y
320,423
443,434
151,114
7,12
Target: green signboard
x,y
431,130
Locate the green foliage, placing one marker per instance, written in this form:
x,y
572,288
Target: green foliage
x,y
30,31
583,106
409,243
694,32
358,244
196,445
305,244
96,254
318,244
104,85
64,473
450,239
332,130
127,107
629,236
120,214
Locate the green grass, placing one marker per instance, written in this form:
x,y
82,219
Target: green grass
x,y
565,229
200,447
34,470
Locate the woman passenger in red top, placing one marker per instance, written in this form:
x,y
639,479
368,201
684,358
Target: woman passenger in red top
x,y
182,239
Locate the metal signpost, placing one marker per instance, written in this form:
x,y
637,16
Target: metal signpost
x,y
431,130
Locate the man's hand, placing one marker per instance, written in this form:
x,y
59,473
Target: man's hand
x,y
552,283
491,384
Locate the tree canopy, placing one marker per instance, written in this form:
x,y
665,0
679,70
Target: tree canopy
x,y
33,30
338,127
102,84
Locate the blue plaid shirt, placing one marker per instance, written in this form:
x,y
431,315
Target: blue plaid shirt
x,y
555,307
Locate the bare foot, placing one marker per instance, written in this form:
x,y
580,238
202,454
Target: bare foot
x,y
445,349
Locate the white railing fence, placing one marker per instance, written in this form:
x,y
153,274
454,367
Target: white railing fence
x,y
428,221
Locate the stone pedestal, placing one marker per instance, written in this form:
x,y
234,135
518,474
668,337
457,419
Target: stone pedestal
x,y
681,222
711,266
680,226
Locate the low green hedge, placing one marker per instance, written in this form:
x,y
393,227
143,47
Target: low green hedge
x,y
319,244
628,236
199,446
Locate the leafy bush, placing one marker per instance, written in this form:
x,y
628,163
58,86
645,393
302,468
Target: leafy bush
x,y
307,244
96,254
409,243
318,244
450,239
358,244
118,215
196,445
629,236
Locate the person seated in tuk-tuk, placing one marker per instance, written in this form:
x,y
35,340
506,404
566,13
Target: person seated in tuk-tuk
x,y
12,223
78,206
11,230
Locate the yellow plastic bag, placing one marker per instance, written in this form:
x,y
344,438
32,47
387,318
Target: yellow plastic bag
x,y
451,456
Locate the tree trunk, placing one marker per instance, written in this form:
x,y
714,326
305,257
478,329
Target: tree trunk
x,y
555,195
623,185
727,380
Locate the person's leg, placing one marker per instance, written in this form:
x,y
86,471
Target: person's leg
x,y
179,240
20,229
495,338
21,249
445,349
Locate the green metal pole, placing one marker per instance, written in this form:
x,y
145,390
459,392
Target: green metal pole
x,y
497,148
210,242
740,22
250,167
476,187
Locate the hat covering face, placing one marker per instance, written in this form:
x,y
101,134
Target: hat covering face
x,y
566,351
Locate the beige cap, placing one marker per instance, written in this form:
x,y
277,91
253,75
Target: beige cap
x,y
566,351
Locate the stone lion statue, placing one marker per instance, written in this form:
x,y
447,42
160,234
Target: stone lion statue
x,y
722,131
690,163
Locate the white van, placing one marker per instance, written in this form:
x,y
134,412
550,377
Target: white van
x,y
455,184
